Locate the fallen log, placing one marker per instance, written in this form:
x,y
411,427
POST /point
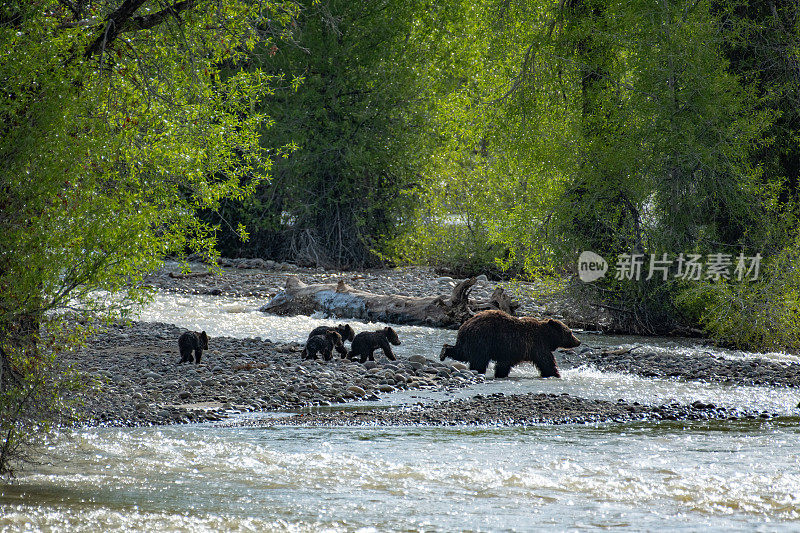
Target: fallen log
x,y
173,275
343,301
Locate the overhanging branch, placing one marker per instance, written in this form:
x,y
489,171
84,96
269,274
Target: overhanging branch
x,y
122,20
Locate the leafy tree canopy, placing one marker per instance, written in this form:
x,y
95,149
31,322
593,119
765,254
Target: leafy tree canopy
x,y
116,124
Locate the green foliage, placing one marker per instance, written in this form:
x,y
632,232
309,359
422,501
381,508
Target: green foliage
x,y
762,315
112,136
485,202
633,127
351,100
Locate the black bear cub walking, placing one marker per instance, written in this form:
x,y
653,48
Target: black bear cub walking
x,y
323,344
192,341
367,342
508,340
344,330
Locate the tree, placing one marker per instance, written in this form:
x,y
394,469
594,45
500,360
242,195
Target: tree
x,y
617,128
116,126
355,85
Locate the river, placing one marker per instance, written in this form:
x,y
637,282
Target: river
x,y
717,476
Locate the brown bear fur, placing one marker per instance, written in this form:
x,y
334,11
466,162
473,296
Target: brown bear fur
x,y
495,335
366,343
323,344
344,330
192,341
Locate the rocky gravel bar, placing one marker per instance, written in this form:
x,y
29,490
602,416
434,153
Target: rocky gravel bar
x,y
698,367
513,410
134,378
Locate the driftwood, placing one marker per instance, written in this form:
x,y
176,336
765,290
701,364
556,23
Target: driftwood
x,y
343,301
189,275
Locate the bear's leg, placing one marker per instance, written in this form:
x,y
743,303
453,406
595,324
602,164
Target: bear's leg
x,y
327,354
342,351
387,350
480,367
197,354
501,370
367,355
546,363
446,352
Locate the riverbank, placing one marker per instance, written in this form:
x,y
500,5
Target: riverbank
x,y
514,410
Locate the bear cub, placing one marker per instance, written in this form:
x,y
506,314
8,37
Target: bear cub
x,y
508,340
192,341
344,330
366,343
324,344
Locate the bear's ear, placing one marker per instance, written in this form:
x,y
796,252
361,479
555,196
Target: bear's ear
x,y
553,323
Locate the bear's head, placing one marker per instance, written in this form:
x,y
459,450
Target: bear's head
x,y
334,337
346,332
391,336
203,339
561,336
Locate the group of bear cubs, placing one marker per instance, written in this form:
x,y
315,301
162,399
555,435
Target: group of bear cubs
x,y
487,336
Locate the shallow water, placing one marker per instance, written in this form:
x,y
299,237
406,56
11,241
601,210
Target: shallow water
x,y
716,476
240,317
194,478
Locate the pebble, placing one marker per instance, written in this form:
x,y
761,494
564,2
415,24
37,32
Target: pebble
x,y
353,389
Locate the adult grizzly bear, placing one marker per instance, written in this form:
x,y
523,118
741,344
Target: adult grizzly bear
x,y
366,343
323,344
344,330
192,341
495,335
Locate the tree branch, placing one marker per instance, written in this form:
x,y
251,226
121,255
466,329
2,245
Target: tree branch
x,y
122,20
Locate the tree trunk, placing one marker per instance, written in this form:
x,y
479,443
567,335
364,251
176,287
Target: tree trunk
x,y
341,300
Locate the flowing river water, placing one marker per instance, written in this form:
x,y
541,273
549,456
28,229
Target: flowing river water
x,y
718,475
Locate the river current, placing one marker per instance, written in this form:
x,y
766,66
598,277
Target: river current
x,y
717,476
